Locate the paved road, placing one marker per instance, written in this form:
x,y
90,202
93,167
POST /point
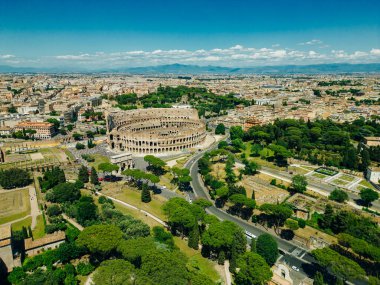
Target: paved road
x,y
294,254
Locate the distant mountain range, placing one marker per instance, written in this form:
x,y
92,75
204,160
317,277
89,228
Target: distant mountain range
x,y
181,69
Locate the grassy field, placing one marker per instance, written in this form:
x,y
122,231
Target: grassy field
x,y
14,205
346,177
340,182
23,223
196,261
298,170
39,231
133,197
98,160
366,184
319,175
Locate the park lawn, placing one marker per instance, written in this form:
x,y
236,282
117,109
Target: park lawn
x,y
17,226
319,175
98,160
298,170
340,182
309,167
197,261
69,154
346,177
133,197
14,205
39,231
366,184
136,214
265,163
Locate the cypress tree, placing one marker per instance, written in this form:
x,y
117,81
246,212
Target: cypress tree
x,y
194,238
94,177
233,261
83,174
221,257
30,232
318,279
24,232
145,194
253,245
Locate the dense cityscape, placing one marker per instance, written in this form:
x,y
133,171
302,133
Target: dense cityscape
x,y
161,152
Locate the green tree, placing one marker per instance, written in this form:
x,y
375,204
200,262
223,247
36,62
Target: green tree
x,y
339,265
328,216
236,132
292,224
53,210
155,164
221,257
65,192
100,239
117,272
253,245
83,174
299,183
14,177
145,194
338,195
267,247
94,177
193,241
107,167
165,267
220,129
368,195
86,210
80,146
253,270
318,279
276,214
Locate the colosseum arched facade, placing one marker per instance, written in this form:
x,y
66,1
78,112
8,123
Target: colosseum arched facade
x,y
155,131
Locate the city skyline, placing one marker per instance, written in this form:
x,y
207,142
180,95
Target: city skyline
x,y
242,34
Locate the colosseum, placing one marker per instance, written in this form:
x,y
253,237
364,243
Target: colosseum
x,y
155,131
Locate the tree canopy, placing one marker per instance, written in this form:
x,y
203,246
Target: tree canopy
x,y
101,239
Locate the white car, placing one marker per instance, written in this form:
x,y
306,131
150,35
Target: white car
x,y
251,235
295,268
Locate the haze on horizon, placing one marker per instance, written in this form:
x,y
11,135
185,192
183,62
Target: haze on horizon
x,y
116,33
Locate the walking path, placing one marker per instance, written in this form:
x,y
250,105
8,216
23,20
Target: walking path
x,y
34,209
71,221
135,208
227,272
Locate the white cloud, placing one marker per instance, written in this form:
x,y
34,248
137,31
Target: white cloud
x,y
233,56
7,56
312,42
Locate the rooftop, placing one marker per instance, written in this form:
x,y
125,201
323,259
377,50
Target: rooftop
x,y
48,239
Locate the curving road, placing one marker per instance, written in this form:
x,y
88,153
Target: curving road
x,y
294,255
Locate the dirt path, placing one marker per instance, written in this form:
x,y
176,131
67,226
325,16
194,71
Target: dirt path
x,y
34,210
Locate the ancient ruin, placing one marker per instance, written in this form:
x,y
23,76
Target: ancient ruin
x,y
155,131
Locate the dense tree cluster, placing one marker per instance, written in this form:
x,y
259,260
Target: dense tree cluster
x,y
322,142
208,104
14,177
52,178
357,226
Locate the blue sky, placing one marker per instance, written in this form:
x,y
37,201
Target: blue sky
x,y
94,34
